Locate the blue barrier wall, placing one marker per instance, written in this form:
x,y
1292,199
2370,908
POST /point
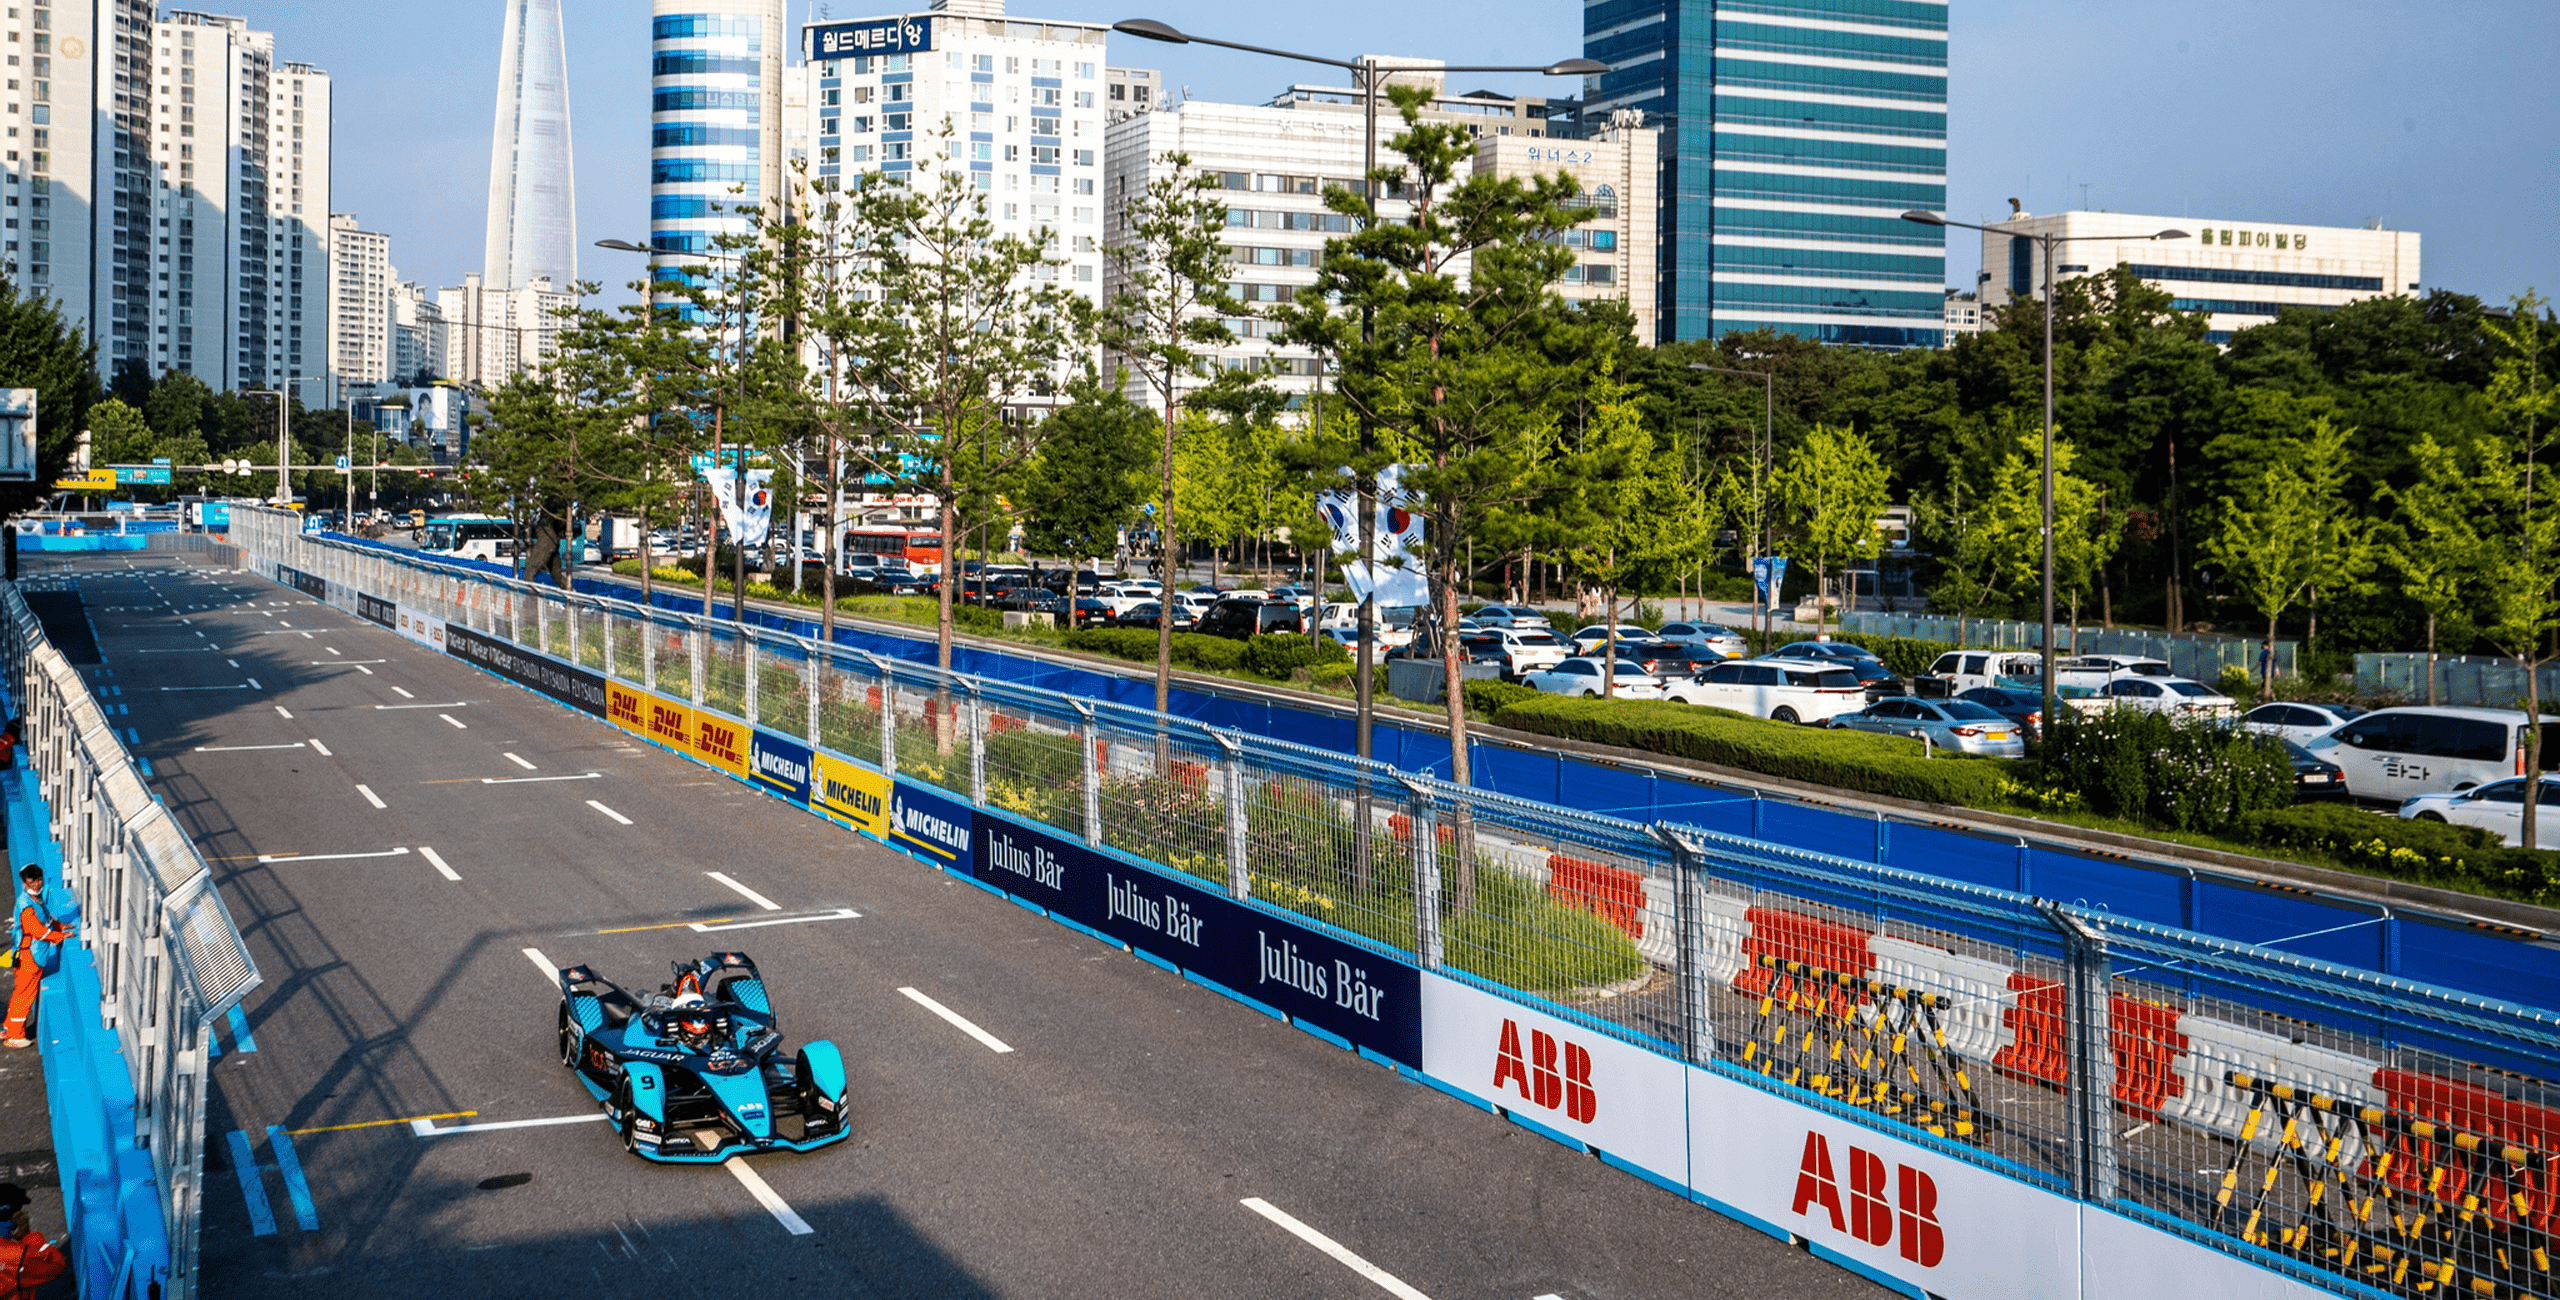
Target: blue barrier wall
x,y
2440,951
110,1197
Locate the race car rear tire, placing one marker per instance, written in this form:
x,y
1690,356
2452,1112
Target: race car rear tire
x,y
568,1042
630,1115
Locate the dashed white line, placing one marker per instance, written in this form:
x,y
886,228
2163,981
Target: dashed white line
x,y
333,649
324,749
370,797
549,971
329,857
283,712
458,723
959,1022
426,1128
224,749
768,1198
608,812
253,685
518,761
436,860
402,694
745,893
362,669
1386,1281
233,662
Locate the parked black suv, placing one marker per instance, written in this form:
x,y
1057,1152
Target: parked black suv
x,y
1240,619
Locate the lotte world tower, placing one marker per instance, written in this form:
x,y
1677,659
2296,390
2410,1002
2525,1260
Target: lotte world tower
x,y
533,199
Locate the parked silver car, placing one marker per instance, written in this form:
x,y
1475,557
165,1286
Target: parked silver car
x,y
1960,725
1722,640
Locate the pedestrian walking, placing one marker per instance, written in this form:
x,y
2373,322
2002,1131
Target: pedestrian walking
x,y
39,951
27,1260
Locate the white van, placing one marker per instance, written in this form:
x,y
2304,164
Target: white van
x,y
2391,754
1963,670
1781,690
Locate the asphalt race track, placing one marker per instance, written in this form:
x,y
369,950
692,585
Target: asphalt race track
x,y
410,846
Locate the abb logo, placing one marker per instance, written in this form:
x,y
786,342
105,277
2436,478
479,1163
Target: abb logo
x,y
1871,1218
1538,1076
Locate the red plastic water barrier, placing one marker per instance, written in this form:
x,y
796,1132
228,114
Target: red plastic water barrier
x,y
1611,893
2473,1159
2035,1048
2147,1045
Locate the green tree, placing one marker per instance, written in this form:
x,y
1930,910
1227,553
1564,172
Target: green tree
x,y
1833,490
118,435
2290,529
2522,604
2434,539
42,351
956,328
1090,477
1170,303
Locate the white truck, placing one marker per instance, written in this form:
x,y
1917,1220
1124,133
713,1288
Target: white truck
x,y
1958,671
1342,623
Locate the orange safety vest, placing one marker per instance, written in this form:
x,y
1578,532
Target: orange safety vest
x,y
27,1263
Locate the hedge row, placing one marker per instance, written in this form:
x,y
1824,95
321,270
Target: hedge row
x,y
1857,761
2427,852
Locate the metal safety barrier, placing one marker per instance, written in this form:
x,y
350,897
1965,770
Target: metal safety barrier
x,y
127,1016
2200,655
2350,1130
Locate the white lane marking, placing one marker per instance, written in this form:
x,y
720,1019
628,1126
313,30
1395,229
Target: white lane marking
x,y
744,892
837,914
233,662
324,749
767,1197
426,1128
608,812
436,860
519,762
370,797
344,663
537,780
1341,1254
204,688
993,1043
402,694
366,671
253,685
333,649
283,712
458,723
328,857
223,749
549,971
457,704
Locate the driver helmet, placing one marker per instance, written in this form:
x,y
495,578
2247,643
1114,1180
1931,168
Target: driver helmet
x,y
692,1016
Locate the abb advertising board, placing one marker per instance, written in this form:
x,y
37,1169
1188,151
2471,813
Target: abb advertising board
x,y
1610,1095
1946,1227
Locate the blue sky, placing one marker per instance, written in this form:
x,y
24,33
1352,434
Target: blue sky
x,y
2317,112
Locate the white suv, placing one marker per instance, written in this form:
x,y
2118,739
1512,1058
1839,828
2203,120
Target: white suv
x,y
1781,690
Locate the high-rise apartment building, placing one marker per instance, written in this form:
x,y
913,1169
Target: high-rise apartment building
x,y
492,333
360,280
1021,97
533,193
417,334
50,182
1795,134
242,194
716,70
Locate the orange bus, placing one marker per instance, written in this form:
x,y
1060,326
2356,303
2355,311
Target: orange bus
x,y
873,548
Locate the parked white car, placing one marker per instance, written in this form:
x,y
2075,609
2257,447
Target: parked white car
x,y
1123,596
2095,671
2173,695
1722,640
1779,690
2299,722
1590,639
1965,670
1519,616
2497,807
1341,622
1581,676
1524,650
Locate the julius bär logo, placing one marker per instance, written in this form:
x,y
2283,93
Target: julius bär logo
x,y
1541,1078
1912,1214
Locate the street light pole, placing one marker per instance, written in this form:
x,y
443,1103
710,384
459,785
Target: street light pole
x,y
1366,67
2045,243
1765,611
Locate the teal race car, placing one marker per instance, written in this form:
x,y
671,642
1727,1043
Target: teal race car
x,y
696,1072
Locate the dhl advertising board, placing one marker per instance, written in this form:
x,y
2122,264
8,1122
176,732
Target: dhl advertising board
x,y
719,741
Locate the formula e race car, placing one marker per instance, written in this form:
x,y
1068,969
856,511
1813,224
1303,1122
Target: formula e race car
x,y
696,1072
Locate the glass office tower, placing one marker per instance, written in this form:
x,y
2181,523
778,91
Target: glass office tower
x,y
1795,134
715,121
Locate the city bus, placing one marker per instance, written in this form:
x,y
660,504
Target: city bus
x,y
886,547
469,537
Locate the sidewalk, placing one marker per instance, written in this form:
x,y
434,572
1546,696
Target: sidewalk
x,y
26,1117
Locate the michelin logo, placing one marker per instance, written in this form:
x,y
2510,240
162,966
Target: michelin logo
x,y
781,767
916,824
